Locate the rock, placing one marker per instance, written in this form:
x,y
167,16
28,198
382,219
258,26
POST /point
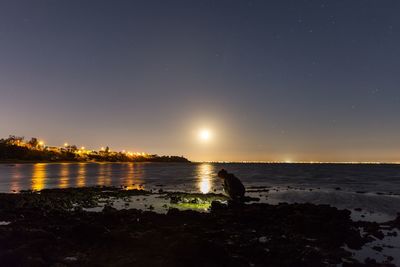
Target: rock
x,y
377,248
217,205
379,235
173,211
277,235
389,258
70,259
190,250
392,233
108,208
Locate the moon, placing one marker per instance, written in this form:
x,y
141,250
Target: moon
x,y
205,135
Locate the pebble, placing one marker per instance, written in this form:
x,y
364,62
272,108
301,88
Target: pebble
x,y
70,259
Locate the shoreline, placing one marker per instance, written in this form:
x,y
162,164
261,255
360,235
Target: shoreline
x,y
203,162
77,162
72,229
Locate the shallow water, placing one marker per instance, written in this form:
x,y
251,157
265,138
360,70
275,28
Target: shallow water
x,y
373,188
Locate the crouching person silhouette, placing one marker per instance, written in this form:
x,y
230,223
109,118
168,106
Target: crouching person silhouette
x,y
232,185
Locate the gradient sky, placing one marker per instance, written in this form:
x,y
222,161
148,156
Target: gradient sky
x,y
273,80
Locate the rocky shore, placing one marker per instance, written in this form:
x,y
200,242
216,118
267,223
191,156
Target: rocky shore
x,y
54,228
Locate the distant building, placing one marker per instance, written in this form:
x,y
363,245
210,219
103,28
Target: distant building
x,y
53,148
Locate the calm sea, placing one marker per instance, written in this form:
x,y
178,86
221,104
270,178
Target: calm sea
x,y
373,187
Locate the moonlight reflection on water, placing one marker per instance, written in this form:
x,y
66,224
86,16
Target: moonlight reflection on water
x,y
205,174
39,176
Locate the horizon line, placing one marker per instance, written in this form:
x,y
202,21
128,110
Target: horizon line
x,y
307,162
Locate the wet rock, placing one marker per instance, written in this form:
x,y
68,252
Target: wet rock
x,y
377,248
190,250
87,232
251,199
194,198
379,235
173,211
392,234
217,205
109,208
70,259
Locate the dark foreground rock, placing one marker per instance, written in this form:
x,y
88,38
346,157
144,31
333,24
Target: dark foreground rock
x,y
238,235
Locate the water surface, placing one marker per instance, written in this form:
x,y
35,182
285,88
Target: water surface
x,y
375,188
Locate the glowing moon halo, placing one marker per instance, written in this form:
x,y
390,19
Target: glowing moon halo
x,y
205,135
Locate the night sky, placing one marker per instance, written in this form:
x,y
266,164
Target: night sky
x,y
272,80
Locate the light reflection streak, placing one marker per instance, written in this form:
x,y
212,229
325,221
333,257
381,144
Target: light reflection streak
x,y
101,178
39,176
134,178
108,180
64,175
105,171
15,186
81,179
204,172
